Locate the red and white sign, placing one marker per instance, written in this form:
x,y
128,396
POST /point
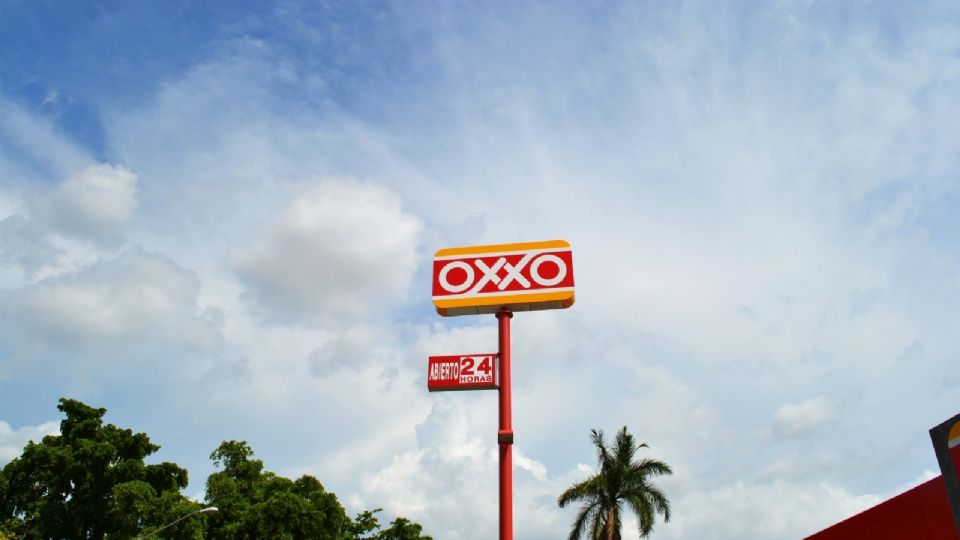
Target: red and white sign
x,y
519,277
462,372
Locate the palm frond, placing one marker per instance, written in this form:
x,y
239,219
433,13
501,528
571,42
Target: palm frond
x,y
603,456
651,467
597,525
591,488
643,510
620,480
624,446
660,501
582,516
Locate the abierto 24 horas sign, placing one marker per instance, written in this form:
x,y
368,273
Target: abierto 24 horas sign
x,y
462,372
526,276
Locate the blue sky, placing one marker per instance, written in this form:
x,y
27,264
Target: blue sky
x,y
217,221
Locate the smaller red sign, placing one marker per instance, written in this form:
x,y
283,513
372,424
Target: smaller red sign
x,y
462,372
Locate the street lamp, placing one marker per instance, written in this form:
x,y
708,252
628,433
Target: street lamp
x,y
208,510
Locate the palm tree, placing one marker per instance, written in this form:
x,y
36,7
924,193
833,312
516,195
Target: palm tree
x,y
620,480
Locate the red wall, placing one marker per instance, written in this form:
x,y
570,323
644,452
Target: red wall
x,y
921,513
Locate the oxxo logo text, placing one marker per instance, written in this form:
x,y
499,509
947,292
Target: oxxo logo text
x,y
502,273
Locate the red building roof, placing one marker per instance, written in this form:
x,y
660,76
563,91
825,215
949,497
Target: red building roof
x,y
921,513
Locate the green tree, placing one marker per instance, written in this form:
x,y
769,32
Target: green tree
x,y
91,481
400,529
620,481
365,523
254,503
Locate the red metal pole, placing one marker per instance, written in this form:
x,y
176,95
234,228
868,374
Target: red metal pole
x,y
505,433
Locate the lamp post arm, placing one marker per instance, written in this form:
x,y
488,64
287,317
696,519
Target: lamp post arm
x,y
210,510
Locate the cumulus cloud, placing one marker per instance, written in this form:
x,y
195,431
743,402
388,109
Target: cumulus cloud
x,y
9,203
25,244
342,248
450,481
796,419
53,231
12,440
770,511
354,346
97,201
133,298
35,147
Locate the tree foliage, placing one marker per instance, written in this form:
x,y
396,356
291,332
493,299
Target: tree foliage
x,y
89,481
401,528
620,481
254,503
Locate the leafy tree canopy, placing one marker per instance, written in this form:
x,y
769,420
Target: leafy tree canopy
x,y
255,503
400,529
90,481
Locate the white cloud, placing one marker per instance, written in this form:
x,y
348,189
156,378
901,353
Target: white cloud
x,y
136,298
97,201
449,483
761,511
36,147
9,203
803,418
49,232
343,248
12,440
353,347
25,246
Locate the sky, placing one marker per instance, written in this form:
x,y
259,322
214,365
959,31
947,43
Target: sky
x,y
217,221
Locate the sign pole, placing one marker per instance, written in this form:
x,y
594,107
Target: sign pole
x,y
505,433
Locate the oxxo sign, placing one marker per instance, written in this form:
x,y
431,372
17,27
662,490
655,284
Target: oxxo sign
x,y
518,277
462,372
500,279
